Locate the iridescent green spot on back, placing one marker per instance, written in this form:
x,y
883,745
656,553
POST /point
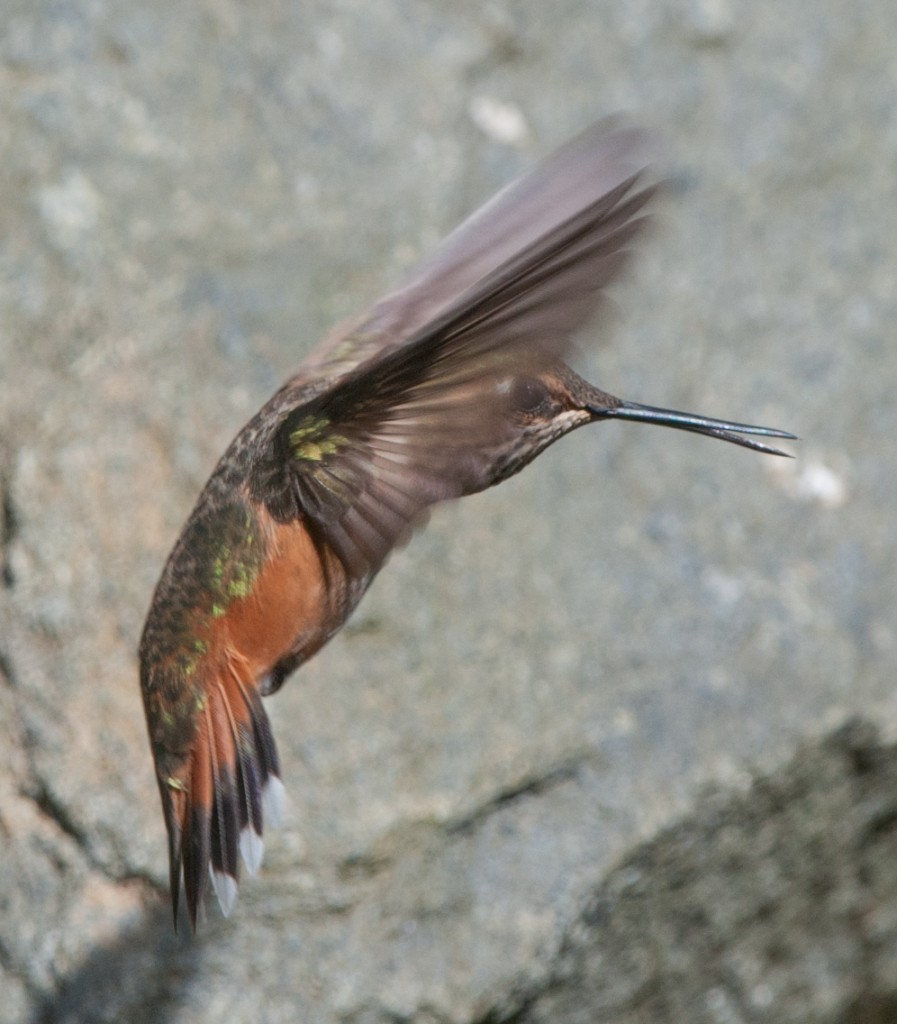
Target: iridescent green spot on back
x,y
192,655
241,586
230,551
221,563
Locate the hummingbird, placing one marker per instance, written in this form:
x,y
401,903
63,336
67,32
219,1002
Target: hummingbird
x,y
448,385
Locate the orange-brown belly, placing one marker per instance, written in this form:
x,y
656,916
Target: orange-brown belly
x,y
288,611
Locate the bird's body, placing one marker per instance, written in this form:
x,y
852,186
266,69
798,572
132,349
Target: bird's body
x,y
446,387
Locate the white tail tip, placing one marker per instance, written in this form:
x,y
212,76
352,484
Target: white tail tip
x,y
274,796
225,887
252,849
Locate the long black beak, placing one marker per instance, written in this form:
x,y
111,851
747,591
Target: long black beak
x,y
699,424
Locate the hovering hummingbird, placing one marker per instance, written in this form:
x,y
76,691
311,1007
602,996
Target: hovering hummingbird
x,y
448,385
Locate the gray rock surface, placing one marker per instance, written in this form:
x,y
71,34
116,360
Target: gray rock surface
x,y
581,755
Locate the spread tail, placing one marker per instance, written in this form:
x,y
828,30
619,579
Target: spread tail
x,y
215,808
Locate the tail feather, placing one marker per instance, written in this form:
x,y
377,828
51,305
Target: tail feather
x,y
231,783
226,815
195,825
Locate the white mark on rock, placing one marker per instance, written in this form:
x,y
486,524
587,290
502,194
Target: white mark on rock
x,y
811,480
70,209
501,121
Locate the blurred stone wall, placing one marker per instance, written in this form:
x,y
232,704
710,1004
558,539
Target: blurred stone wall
x,y
610,743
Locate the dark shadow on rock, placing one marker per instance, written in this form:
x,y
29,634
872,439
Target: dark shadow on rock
x,y
142,978
775,905
873,1008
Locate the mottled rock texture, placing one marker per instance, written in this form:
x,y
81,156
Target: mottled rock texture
x,y
583,754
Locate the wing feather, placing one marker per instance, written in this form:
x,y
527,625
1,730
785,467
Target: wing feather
x,y
587,168
414,413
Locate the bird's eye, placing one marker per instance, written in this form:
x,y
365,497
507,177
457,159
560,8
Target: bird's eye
x,y
528,394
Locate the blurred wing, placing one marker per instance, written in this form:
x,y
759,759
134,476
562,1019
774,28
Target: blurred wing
x,y
516,219
417,422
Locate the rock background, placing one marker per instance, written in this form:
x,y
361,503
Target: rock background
x,y
612,742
